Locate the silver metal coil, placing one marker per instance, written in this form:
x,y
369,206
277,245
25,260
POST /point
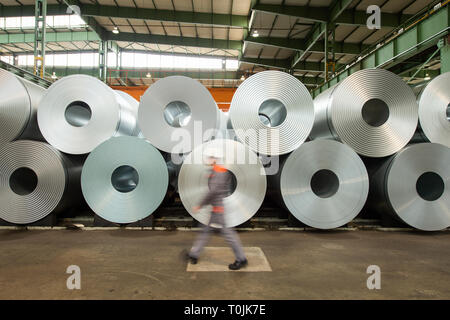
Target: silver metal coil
x,y
249,186
373,110
272,112
18,107
130,173
170,111
134,104
36,180
413,186
79,112
324,184
434,110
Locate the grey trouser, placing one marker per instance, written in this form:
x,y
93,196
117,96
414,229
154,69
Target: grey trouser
x,y
229,234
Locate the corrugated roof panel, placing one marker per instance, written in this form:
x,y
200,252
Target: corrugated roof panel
x,y
236,33
182,5
220,33
342,31
241,7
222,6
262,22
378,35
156,29
396,6
202,5
163,4
358,35
204,32
172,28
188,30
416,6
285,54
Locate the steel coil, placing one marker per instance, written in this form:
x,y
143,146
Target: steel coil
x,y
134,104
79,112
249,181
174,110
272,112
36,180
18,107
324,184
434,110
124,179
414,186
373,110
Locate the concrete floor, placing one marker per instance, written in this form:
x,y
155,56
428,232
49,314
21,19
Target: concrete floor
x,y
131,264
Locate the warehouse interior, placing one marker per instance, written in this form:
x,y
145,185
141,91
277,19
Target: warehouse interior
x,y
354,93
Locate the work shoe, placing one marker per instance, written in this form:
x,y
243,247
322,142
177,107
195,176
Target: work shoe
x,y
187,257
192,259
238,264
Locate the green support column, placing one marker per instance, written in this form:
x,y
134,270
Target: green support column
x,y
445,56
40,14
103,59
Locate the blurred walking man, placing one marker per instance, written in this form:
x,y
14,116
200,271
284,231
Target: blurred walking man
x,y
219,187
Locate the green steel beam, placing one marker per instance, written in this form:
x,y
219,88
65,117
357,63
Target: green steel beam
x,y
318,31
176,41
321,29
414,40
93,10
123,36
66,36
165,15
301,45
421,74
39,36
269,63
318,14
338,7
445,56
285,64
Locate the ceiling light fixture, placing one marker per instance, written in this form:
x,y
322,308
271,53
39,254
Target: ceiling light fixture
x,y
427,77
115,30
242,77
255,34
54,76
148,75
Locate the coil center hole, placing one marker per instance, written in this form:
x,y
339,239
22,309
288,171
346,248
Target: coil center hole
x,y
272,113
23,181
324,183
232,187
177,114
78,113
125,179
375,112
430,186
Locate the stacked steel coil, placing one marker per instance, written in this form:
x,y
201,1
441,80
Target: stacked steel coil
x,y
130,173
434,110
176,109
79,112
36,180
413,186
249,181
272,112
323,183
18,108
134,104
373,110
